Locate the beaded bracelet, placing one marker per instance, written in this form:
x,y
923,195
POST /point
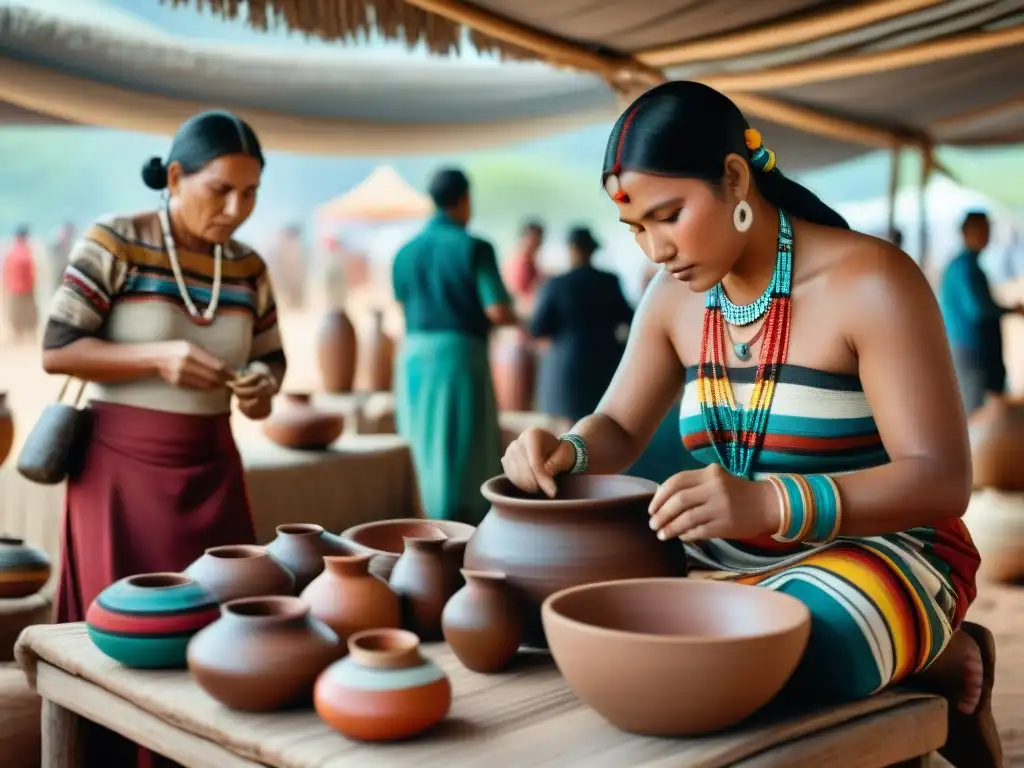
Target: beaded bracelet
x,y
810,506
582,457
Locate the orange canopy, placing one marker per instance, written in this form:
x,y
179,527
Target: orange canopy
x,y
382,196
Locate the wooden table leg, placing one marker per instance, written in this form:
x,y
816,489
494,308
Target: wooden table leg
x,y
63,737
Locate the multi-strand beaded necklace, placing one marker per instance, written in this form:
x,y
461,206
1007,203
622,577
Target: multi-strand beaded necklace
x,y
737,434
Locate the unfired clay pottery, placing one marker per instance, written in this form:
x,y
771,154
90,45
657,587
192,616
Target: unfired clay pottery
x,y
348,599
263,654
235,571
595,529
301,547
632,649
424,581
377,354
483,622
997,444
24,570
6,429
297,423
995,520
385,540
336,351
385,690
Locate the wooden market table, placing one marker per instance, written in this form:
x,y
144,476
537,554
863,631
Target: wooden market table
x,y
524,718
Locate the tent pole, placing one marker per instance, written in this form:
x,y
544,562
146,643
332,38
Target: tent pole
x,y
927,165
895,155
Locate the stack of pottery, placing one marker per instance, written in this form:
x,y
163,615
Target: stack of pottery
x,y
297,423
6,429
385,540
236,571
336,351
348,599
24,570
301,547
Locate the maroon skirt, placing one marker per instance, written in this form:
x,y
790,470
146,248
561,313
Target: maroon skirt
x,y
154,491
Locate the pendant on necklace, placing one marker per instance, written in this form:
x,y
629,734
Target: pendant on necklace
x,y
742,351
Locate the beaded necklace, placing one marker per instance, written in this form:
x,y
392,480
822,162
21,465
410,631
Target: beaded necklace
x,y
737,434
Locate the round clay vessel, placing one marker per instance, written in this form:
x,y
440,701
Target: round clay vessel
x,y
241,570
297,423
6,429
24,569
385,539
483,622
596,529
997,444
146,621
301,548
377,354
630,648
385,690
348,599
424,581
995,520
336,351
263,654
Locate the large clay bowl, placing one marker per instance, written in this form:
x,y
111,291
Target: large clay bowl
x,y
385,539
675,657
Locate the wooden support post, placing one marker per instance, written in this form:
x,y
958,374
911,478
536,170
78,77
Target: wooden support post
x,y
63,733
895,156
927,165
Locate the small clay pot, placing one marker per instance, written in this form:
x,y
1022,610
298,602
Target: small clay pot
x,y
424,581
385,690
6,429
348,599
301,548
997,444
147,621
483,622
263,654
236,571
385,539
297,423
24,570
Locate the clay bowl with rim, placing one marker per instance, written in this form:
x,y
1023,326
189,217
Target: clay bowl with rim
x,y
385,539
675,657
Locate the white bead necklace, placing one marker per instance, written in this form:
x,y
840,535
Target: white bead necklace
x,y
206,317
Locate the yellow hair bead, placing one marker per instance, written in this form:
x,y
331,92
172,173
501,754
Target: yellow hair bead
x,y
771,160
753,138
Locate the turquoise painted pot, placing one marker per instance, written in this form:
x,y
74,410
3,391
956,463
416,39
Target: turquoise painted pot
x,y
146,621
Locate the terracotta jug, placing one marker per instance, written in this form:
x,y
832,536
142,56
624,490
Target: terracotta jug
x,y
513,369
235,571
263,654
297,423
336,351
6,429
348,599
301,547
424,580
385,690
483,622
24,569
997,444
378,355
385,539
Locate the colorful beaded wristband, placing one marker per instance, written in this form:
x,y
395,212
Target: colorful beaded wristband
x,y
582,457
810,506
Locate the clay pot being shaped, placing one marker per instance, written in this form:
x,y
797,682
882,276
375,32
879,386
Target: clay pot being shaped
x,y
6,429
483,622
236,571
146,621
377,355
263,654
385,540
336,351
628,648
385,690
301,548
348,599
297,423
595,529
995,520
24,570
424,581
997,444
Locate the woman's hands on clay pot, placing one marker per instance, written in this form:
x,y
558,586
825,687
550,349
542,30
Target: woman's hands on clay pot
x,y
255,388
711,503
185,364
535,458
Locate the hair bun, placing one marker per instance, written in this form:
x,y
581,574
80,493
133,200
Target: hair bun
x,y
154,174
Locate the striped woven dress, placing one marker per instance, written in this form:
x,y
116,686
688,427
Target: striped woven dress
x,y
882,607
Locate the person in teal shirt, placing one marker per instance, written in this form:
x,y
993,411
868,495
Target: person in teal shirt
x,y
448,284
973,319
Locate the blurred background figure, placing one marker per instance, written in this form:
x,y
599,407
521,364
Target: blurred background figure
x,y
18,276
585,317
522,274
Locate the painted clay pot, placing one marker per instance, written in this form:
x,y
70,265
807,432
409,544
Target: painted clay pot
x,y
263,654
301,548
24,570
378,353
147,621
483,623
424,581
297,423
348,599
6,429
385,540
513,370
595,529
336,352
997,444
236,571
385,690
